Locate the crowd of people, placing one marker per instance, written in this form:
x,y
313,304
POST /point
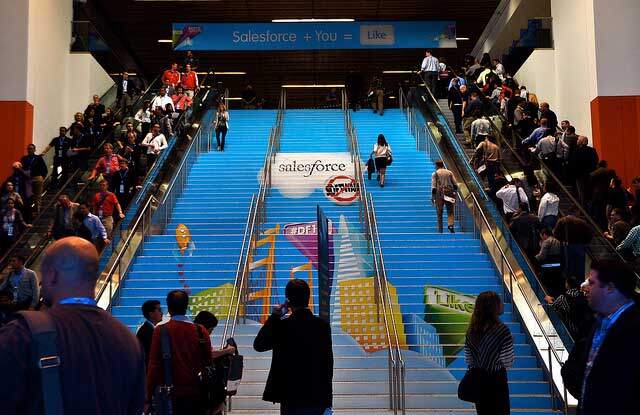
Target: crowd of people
x,y
554,241
170,365
126,145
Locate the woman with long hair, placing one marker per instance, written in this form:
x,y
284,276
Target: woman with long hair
x,y
488,346
221,125
382,156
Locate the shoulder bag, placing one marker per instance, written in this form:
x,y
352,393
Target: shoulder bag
x,y
46,359
447,193
162,404
470,387
213,377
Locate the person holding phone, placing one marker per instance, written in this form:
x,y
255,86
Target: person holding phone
x,y
301,344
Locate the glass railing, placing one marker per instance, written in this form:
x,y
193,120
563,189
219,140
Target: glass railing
x,y
440,127
152,217
159,188
475,216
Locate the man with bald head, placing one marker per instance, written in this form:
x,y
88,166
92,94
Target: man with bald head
x,y
101,368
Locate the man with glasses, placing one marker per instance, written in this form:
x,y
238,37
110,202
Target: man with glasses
x,y
152,312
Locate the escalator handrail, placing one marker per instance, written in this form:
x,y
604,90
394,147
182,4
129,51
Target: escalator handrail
x,y
521,257
494,239
75,176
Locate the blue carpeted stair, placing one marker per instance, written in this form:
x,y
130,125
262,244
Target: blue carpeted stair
x,y
431,273
214,207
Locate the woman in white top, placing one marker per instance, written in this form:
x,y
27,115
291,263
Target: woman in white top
x,y
143,116
221,125
382,157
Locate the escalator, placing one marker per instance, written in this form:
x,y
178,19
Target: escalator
x,y
35,239
514,165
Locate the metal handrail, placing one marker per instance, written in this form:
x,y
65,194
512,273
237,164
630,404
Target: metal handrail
x,y
475,206
367,217
401,368
255,218
521,257
151,206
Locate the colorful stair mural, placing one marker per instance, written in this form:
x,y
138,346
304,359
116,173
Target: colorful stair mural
x,y
433,277
437,277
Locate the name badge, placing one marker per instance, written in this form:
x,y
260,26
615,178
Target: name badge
x,y
122,188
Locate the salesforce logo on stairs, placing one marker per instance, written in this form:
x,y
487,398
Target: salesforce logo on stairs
x,y
298,175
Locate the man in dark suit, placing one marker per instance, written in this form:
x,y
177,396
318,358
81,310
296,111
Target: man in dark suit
x,y
604,371
302,366
152,312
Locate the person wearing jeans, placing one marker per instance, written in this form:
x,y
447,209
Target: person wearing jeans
x,y
221,125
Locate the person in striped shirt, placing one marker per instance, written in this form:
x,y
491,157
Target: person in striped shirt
x,y
489,346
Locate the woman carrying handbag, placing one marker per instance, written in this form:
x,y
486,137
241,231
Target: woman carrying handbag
x,y
221,125
488,350
382,156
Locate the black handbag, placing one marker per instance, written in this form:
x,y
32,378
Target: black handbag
x,y
213,378
389,160
470,387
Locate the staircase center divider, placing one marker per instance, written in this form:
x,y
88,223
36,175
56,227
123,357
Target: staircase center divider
x,y
154,203
253,228
516,287
368,220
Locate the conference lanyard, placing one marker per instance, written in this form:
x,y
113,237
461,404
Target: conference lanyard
x,y
79,300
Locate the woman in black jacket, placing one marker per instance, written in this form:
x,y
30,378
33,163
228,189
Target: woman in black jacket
x,y
488,346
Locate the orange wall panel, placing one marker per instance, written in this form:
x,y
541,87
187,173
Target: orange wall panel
x,y
17,119
616,133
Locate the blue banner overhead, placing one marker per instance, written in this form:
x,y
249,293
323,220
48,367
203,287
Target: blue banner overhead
x,y
300,36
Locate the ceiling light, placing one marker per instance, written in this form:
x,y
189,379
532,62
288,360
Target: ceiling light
x,y
462,38
310,20
165,41
233,99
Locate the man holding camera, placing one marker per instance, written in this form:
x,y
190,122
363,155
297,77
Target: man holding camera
x,y
302,366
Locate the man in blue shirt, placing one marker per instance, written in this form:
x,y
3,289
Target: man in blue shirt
x,y
604,372
537,134
95,226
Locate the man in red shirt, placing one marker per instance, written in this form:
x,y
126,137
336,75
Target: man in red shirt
x,y
190,353
181,101
189,81
171,77
106,165
104,204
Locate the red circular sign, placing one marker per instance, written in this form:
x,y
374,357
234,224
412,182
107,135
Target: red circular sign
x,y
342,190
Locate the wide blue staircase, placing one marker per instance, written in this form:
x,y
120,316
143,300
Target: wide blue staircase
x,y
214,208
436,277
433,277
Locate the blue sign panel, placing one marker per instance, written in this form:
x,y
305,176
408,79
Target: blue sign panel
x,y
300,36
